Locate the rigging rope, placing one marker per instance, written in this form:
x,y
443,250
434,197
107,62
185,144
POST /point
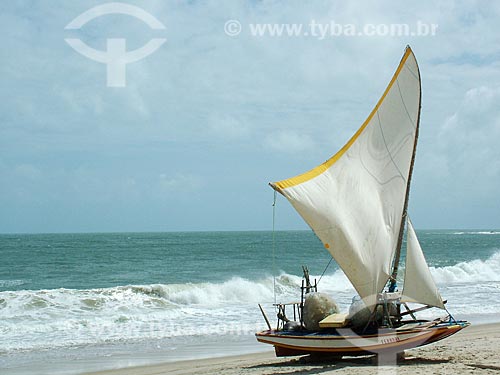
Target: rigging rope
x,y
328,265
274,248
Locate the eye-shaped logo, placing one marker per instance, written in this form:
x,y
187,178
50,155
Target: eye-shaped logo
x,y
116,56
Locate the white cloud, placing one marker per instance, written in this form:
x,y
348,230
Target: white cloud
x,y
468,142
288,141
28,171
227,127
179,182
207,96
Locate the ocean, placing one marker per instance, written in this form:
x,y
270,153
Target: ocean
x,y
97,298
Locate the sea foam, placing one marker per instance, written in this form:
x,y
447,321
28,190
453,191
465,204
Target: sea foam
x,y
469,272
38,319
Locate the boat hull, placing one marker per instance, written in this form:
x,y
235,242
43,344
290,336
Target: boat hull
x,y
346,342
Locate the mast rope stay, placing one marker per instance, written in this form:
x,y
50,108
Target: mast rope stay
x,y
274,247
328,265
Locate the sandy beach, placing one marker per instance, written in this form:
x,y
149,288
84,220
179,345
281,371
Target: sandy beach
x,y
474,350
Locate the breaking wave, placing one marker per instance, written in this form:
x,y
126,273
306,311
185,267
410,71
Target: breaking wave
x,y
478,232
469,272
11,283
37,319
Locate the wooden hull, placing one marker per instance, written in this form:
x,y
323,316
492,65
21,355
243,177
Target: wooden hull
x,y
346,342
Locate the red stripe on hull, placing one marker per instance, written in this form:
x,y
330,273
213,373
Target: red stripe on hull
x,y
284,349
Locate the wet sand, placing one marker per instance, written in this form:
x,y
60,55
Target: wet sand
x,y
474,350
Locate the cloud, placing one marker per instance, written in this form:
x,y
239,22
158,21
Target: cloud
x,y
28,171
461,167
208,110
466,139
288,142
227,127
179,183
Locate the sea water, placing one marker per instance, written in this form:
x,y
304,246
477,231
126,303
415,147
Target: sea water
x,y
119,299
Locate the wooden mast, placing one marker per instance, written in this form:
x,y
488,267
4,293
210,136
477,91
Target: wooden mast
x,y
405,207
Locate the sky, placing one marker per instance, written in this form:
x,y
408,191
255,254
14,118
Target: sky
x,y
208,119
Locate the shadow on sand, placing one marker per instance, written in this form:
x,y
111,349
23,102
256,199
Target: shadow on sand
x,y
323,364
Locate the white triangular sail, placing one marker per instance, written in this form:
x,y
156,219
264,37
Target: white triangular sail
x,y
355,201
418,283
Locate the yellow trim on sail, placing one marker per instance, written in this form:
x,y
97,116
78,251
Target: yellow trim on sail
x,y
327,164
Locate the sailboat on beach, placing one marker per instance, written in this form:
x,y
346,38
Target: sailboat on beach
x,y
356,203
